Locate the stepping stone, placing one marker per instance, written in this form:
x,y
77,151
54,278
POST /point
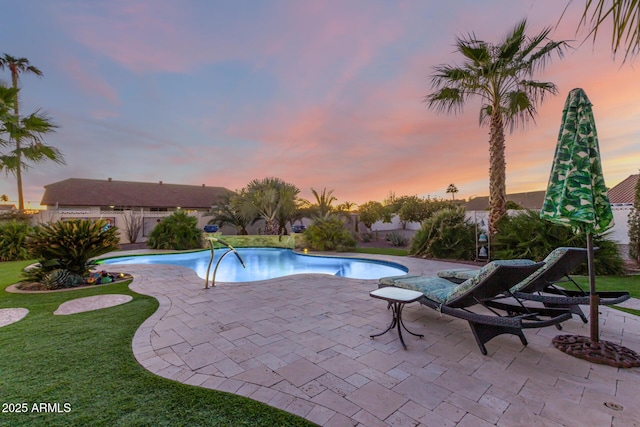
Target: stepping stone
x,y
11,315
95,302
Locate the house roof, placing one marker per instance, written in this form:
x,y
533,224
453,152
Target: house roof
x,y
7,208
94,192
529,200
624,192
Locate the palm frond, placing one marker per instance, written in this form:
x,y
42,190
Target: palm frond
x,y
625,17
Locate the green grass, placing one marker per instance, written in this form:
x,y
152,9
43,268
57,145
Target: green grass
x,y
85,360
615,283
382,251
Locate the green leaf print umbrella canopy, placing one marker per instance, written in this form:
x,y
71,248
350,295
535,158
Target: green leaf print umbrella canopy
x,y
577,197
576,194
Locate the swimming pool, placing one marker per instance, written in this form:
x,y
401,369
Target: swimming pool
x,y
268,263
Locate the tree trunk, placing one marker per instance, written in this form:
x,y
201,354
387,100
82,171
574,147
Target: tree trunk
x,y
16,112
271,227
497,172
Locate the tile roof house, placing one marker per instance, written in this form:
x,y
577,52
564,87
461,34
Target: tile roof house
x,y
528,200
621,194
624,192
117,195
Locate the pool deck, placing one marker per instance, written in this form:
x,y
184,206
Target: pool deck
x,y
301,343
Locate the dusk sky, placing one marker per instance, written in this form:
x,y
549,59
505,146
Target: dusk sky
x,y
318,93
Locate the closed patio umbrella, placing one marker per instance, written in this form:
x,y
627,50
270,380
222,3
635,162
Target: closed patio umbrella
x,y
577,197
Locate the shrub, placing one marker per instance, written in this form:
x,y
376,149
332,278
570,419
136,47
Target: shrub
x,y
366,237
328,234
12,238
528,236
397,239
70,244
178,231
446,234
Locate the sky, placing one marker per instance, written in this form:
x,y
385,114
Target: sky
x,y
322,94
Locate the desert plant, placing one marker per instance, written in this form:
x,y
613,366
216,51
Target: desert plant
x,y
60,279
70,244
397,239
527,236
329,233
12,237
178,231
446,234
133,223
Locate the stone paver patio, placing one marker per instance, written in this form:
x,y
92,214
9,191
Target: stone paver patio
x,y
301,343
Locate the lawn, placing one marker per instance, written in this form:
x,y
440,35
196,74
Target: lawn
x,y
81,367
615,283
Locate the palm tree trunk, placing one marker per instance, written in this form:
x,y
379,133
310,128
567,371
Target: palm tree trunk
x,y
497,172
16,112
272,227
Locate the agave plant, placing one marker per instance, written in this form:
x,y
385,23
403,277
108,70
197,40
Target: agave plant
x,y
70,244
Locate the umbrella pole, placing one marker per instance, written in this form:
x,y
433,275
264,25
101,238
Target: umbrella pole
x,y
594,300
592,349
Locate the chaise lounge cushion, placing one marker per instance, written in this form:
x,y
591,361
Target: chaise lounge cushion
x,y
460,274
444,291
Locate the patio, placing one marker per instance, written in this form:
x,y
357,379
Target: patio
x,y
301,343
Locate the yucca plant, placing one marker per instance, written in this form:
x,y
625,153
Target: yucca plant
x,y
178,231
397,239
70,244
527,236
446,234
12,237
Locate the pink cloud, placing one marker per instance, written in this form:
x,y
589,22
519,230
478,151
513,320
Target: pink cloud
x,y
89,80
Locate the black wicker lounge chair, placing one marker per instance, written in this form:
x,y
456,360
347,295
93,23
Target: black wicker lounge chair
x,y
546,284
486,289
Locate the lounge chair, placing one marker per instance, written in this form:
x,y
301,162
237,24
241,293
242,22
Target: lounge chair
x,y
485,289
545,285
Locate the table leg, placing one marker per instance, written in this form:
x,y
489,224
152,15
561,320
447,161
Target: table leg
x,y
397,321
398,313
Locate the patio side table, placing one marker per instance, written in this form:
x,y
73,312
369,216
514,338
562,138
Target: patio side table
x,y
397,298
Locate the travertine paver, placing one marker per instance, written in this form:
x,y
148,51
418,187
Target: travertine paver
x,y
301,343
12,315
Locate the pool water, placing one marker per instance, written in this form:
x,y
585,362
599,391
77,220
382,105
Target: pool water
x,y
267,263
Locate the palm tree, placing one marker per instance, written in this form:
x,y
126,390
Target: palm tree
x,y
36,152
346,206
453,190
625,17
271,199
324,202
226,214
501,75
20,129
